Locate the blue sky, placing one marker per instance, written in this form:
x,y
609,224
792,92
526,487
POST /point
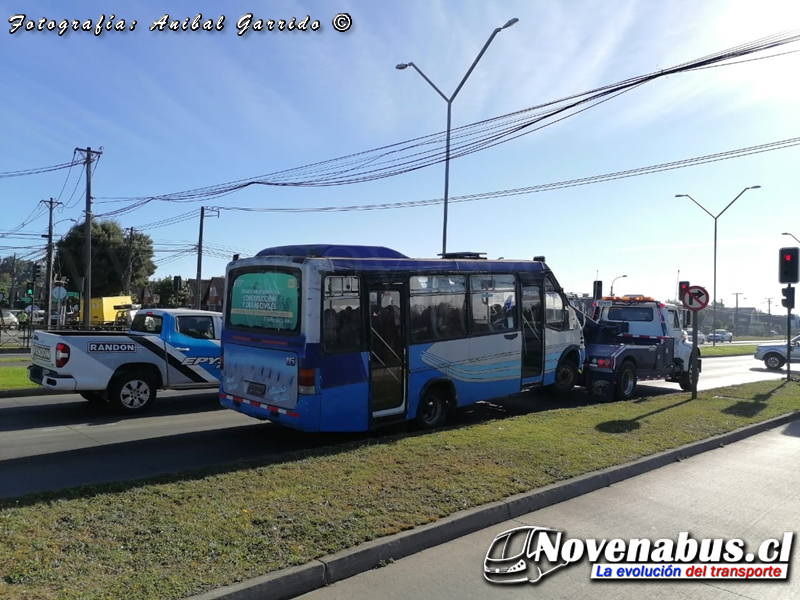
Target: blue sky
x,y
180,110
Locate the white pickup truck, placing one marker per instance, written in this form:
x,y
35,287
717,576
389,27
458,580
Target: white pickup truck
x,y
774,355
164,349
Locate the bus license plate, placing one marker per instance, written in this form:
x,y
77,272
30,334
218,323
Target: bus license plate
x,y
256,389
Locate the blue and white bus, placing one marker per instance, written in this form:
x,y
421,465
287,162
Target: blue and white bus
x,y
349,338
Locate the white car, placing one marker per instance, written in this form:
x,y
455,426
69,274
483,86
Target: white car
x,y
9,321
701,338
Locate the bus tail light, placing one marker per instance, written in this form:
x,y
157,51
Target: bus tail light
x,y
306,380
62,355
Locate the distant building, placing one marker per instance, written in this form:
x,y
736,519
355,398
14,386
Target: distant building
x,y
211,293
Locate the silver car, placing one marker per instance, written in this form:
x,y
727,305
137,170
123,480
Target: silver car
x,y
720,335
774,355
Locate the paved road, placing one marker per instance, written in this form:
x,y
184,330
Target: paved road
x,y
749,490
52,442
729,370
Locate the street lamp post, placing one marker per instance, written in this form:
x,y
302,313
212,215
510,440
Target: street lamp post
x,y
714,305
795,239
449,101
612,283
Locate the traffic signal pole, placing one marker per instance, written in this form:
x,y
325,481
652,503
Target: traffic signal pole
x,y
789,337
789,273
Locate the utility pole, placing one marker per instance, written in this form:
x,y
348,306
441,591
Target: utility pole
x,y
51,205
87,243
769,314
129,267
736,313
199,282
13,280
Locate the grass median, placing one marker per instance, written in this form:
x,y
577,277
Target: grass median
x,y
743,350
173,537
15,378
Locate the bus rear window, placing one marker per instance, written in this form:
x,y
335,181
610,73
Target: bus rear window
x,y
264,300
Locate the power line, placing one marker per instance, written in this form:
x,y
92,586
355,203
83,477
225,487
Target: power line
x,y
39,170
395,159
544,187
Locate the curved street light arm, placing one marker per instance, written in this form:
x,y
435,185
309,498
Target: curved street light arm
x,y
735,199
433,85
475,62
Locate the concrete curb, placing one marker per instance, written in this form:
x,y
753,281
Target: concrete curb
x,y
37,391
295,581
18,350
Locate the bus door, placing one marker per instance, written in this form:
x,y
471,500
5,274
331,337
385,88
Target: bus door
x,y
387,351
532,330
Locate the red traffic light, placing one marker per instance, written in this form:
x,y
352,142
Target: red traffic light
x,y
788,271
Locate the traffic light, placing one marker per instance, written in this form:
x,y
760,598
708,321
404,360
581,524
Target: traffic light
x,y
37,271
176,285
788,297
788,271
29,289
598,290
683,287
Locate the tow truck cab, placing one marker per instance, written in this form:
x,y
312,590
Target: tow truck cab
x,y
633,338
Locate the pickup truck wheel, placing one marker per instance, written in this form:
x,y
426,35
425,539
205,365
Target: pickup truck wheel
x,y
626,382
566,377
774,361
132,392
93,397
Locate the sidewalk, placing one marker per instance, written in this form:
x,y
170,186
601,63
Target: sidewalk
x,y
293,582
744,491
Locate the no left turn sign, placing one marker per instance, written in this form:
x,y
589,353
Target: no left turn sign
x,y
696,298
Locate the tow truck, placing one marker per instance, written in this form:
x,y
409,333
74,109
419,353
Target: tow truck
x,y
634,338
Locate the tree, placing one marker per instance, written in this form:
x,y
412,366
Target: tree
x,y
165,288
112,252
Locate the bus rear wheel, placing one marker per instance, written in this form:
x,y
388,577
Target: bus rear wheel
x,y
432,410
566,377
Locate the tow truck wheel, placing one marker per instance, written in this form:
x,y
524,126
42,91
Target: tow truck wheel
x,y
566,377
774,361
132,392
626,382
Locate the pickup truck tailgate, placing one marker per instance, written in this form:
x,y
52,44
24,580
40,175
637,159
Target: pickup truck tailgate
x,y
43,349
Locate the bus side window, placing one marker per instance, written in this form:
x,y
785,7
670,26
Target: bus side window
x,y
494,303
438,308
341,316
555,313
